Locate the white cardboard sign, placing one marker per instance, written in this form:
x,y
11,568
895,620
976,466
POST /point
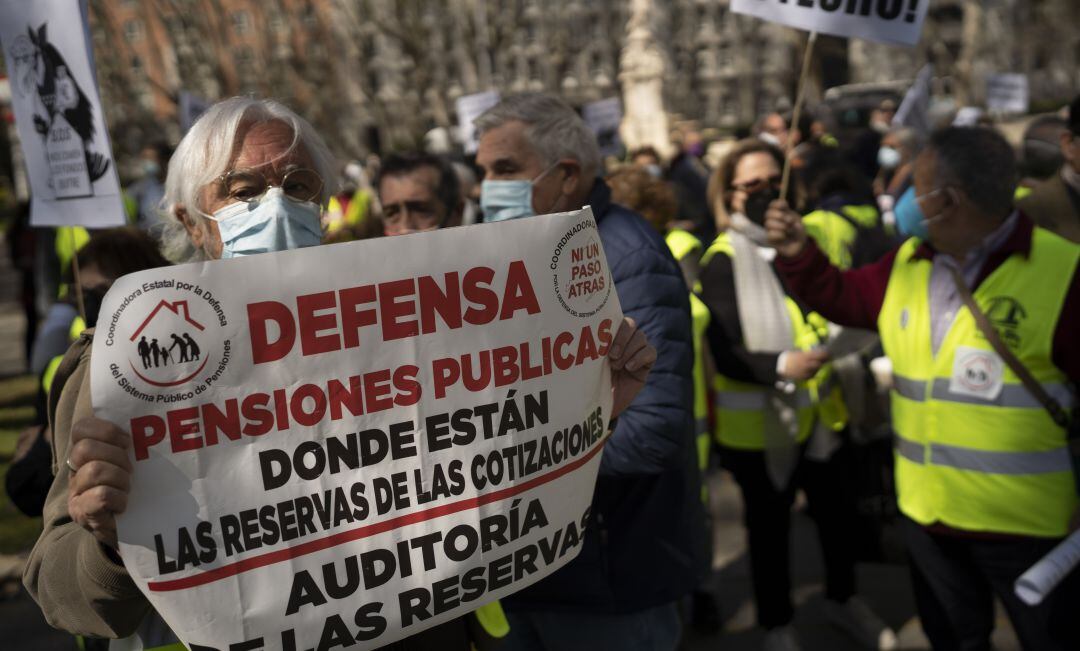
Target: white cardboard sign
x,y
470,107
603,118
359,441
1007,92
58,114
897,22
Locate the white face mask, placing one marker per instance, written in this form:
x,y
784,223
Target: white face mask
x,y
272,222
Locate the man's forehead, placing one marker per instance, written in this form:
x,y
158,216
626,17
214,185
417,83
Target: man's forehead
x,y
409,185
506,141
270,143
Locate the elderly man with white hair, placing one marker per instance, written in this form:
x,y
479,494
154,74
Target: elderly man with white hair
x,y
249,177
644,546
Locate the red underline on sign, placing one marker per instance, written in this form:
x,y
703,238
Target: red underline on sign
x,y
312,546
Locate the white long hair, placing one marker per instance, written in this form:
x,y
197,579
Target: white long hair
x,y
204,154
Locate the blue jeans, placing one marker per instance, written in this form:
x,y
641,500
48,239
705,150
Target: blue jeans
x,y
652,629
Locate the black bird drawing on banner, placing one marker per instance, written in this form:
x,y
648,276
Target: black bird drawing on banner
x,y
60,93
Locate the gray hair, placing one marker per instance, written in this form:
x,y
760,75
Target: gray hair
x,y
910,139
979,162
204,154
553,129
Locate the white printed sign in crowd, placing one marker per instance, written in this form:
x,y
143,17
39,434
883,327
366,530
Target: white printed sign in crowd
x,y
58,113
898,22
363,440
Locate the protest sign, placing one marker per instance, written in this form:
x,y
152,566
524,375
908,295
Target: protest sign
x,y
58,114
190,106
359,441
897,22
604,117
470,107
914,110
1007,93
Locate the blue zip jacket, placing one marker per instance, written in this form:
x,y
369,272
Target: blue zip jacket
x,y
642,547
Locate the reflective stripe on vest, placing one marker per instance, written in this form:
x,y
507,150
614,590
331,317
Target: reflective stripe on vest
x,y
974,449
1011,395
1000,463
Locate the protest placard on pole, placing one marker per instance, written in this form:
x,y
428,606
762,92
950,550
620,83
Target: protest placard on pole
x,y
470,107
897,22
58,114
603,118
1007,93
363,440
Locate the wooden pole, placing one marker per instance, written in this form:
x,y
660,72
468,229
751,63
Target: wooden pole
x,y
75,273
796,112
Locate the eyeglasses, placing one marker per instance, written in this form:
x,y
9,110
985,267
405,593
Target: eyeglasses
x,y
299,184
757,185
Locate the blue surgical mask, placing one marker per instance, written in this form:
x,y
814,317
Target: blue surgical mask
x,y
910,220
888,158
272,222
503,200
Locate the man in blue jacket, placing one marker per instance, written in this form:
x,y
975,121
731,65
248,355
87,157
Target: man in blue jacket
x,y
642,550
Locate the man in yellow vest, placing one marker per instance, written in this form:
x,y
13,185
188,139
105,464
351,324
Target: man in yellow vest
x,y
983,473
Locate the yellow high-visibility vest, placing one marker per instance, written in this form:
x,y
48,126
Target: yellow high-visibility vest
x,y
835,235
69,239
683,244
974,449
740,419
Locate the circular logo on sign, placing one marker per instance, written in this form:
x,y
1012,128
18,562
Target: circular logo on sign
x,y
580,275
167,338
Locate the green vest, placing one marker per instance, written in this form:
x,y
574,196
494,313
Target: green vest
x,y
682,244
740,406
974,449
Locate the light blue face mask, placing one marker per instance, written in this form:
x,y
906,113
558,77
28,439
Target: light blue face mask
x,y
910,220
503,200
272,222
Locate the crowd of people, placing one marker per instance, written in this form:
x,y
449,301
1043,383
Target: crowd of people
x,y
766,320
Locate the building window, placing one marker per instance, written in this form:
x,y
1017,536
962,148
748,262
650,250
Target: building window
x,y
137,67
276,23
243,56
133,30
308,16
241,22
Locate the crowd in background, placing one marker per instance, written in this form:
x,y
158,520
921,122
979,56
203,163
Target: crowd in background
x,y
715,205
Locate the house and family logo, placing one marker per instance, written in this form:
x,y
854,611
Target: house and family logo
x,y
170,333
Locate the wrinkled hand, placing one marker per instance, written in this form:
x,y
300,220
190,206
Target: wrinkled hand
x,y
800,365
631,359
98,487
785,229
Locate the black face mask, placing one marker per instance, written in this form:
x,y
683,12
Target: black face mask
x,y
758,203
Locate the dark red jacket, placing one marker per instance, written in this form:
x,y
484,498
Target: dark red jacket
x,y
854,298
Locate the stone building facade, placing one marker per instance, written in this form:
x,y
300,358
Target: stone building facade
x,y
376,74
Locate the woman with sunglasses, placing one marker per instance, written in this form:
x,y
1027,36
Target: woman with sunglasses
x,y
771,390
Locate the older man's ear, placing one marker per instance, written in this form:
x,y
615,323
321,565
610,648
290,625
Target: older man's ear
x,y
572,169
